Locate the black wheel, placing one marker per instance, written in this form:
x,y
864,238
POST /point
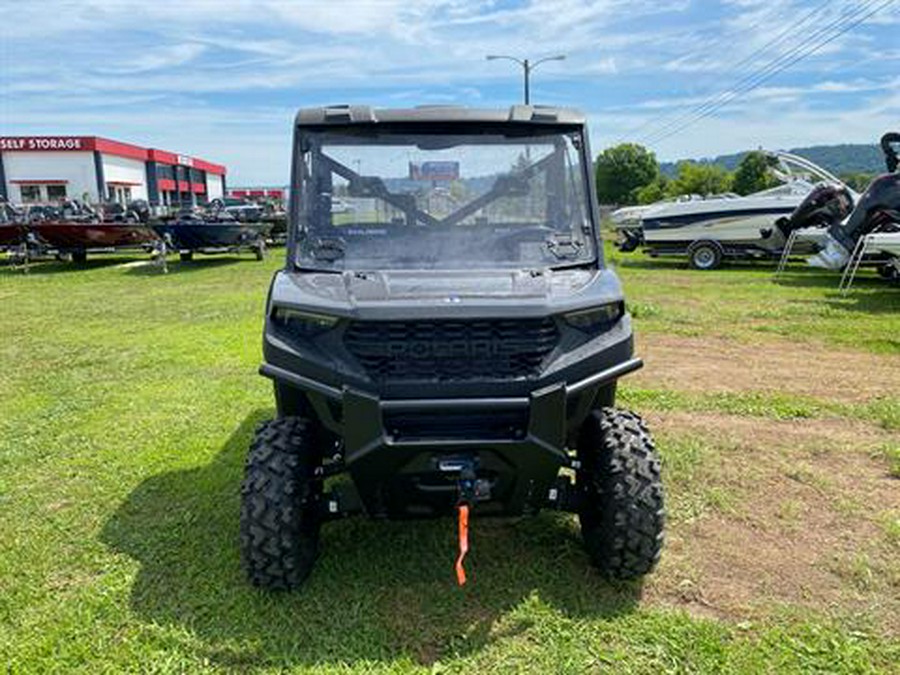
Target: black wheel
x,y
621,514
889,272
186,256
79,256
280,496
705,255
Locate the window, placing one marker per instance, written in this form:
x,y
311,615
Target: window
x,y
490,197
165,171
56,193
30,193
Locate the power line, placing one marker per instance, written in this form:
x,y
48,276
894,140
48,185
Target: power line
x,y
778,39
846,23
740,85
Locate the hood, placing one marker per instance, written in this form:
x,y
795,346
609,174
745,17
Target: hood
x,y
440,293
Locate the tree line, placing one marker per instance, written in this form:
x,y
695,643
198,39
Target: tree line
x,y
629,173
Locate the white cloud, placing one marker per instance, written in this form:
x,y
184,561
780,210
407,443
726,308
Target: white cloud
x,y
222,78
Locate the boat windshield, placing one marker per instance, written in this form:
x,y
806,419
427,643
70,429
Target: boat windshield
x,y
387,200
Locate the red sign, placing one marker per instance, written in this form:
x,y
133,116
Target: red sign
x,y
31,143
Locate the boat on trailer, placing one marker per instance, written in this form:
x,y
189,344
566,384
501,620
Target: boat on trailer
x,y
709,229
75,230
870,233
212,232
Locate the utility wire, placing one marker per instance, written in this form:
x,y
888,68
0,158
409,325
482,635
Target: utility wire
x,y
751,77
846,23
777,40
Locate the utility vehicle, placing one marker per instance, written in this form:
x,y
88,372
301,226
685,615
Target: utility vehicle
x,y
451,345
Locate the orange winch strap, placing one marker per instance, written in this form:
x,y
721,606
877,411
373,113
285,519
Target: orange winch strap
x,y
463,543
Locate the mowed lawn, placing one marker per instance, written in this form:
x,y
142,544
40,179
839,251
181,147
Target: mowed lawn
x,y
128,397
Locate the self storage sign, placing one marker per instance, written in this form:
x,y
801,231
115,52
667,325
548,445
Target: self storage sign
x,y
73,143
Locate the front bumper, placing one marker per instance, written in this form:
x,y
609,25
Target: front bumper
x,y
394,449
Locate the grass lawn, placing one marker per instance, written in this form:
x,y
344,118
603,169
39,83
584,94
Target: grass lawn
x,y
127,399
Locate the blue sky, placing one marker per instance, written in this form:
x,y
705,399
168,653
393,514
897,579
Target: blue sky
x,y
221,79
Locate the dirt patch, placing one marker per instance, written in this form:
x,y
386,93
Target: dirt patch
x,y
803,526
714,364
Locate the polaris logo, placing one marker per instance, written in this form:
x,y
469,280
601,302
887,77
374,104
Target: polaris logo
x,y
427,349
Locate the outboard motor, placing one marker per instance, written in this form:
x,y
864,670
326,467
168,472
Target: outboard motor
x,y
879,206
139,211
826,205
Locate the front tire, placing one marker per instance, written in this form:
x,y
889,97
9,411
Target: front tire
x,y
280,497
621,514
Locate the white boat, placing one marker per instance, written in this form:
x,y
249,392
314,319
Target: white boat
x,y
710,229
876,214
885,242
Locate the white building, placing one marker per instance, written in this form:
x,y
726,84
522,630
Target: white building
x,y
45,169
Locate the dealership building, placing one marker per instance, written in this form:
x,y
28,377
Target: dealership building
x,y
258,193
46,169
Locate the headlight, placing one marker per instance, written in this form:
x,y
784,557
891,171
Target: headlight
x,y
596,319
303,323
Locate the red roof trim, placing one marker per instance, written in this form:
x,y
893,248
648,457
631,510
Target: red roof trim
x,y
104,145
123,182
28,181
108,147
162,156
209,167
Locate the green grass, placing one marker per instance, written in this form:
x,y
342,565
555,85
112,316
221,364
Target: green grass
x,y
743,301
127,399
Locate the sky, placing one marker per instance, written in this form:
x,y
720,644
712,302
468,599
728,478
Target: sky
x,y
222,79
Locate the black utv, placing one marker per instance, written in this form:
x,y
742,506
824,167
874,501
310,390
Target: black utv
x,y
445,333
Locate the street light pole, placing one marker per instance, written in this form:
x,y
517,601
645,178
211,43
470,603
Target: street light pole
x,y
527,67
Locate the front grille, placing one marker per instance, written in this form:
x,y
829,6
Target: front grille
x,y
451,350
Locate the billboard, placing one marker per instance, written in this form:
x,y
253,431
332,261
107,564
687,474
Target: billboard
x,y
434,170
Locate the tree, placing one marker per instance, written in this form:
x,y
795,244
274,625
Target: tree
x,y
652,192
859,181
622,170
700,179
752,174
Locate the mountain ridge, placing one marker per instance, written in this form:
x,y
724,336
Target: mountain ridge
x,y
838,159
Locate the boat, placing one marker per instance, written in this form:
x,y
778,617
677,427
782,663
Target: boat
x,y
887,243
12,234
877,213
76,229
709,229
210,232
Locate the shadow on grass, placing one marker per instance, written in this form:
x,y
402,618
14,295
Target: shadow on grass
x,y
381,591
53,266
198,264
829,279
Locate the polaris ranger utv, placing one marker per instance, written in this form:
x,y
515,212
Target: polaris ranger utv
x,y
449,338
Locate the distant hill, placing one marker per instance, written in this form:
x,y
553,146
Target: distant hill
x,y
837,159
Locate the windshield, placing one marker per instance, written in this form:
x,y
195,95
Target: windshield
x,y
371,199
